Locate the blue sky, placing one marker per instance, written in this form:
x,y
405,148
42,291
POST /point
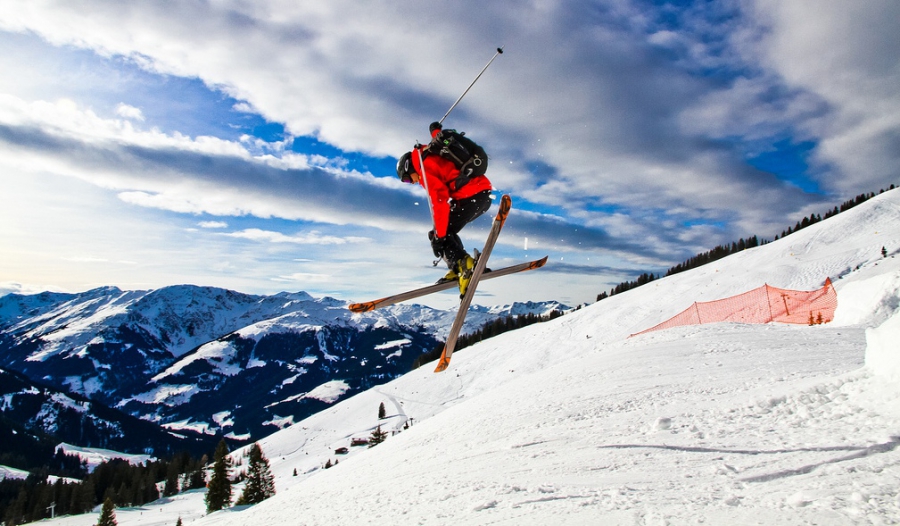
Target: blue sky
x,y
252,145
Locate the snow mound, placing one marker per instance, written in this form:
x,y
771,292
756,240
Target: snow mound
x,y
883,349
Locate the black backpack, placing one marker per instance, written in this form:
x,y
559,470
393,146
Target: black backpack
x,y
463,152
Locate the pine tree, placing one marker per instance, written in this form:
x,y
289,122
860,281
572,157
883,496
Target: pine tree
x,y
88,497
378,436
197,477
108,514
16,510
179,523
219,494
171,486
381,412
260,482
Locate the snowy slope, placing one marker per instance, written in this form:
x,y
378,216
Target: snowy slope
x,y
572,422
95,456
7,472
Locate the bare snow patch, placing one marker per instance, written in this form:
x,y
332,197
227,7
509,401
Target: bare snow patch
x,y
12,473
218,353
253,362
198,427
223,419
95,456
329,392
169,395
280,422
391,345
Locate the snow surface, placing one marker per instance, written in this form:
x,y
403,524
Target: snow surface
x,y
95,456
573,422
7,472
168,394
329,391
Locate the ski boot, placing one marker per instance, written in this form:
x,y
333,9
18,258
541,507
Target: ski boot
x,y
464,268
451,276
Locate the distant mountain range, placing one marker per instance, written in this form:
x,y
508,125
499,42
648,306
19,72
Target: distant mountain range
x,y
35,418
215,361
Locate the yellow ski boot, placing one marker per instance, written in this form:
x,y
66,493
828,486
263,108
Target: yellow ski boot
x,y
450,276
464,269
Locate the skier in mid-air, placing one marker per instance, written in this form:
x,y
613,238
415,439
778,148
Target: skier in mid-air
x,y
457,199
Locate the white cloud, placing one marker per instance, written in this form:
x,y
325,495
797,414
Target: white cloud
x,y
65,118
626,123
86,259
212,224
598,107
309,238
848,54
305,277
195,175
129,112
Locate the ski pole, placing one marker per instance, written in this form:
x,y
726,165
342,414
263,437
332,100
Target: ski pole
x,y
427,195
499,52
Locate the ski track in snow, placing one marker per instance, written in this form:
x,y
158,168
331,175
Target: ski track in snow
x,y
572,422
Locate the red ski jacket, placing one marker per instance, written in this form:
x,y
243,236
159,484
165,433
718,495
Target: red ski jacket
x,y
439,180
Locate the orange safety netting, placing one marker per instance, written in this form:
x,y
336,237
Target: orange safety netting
x,y
762,305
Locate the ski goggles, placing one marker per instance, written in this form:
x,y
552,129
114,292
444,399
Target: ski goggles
x,y
409,175
405,170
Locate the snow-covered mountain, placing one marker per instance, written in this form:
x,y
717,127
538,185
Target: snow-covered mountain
x,y
213,360
573,422
34,414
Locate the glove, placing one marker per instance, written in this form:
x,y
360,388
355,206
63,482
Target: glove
x,y
434,126
437,244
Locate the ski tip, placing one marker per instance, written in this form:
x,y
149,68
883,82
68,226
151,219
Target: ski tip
x,y
363,307
444,362
541,262
505,206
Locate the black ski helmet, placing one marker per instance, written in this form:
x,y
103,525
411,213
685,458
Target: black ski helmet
x,y
405,168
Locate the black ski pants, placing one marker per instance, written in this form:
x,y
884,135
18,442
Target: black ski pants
x,y
463,212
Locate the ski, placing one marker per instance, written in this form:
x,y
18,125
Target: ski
x,y
431,289
444,362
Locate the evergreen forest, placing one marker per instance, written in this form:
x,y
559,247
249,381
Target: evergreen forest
x,y
72,490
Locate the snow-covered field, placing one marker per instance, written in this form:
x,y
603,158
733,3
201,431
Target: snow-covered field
x,y
573,422
95,456
7,472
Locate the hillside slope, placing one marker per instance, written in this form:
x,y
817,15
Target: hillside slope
x,y
572,422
